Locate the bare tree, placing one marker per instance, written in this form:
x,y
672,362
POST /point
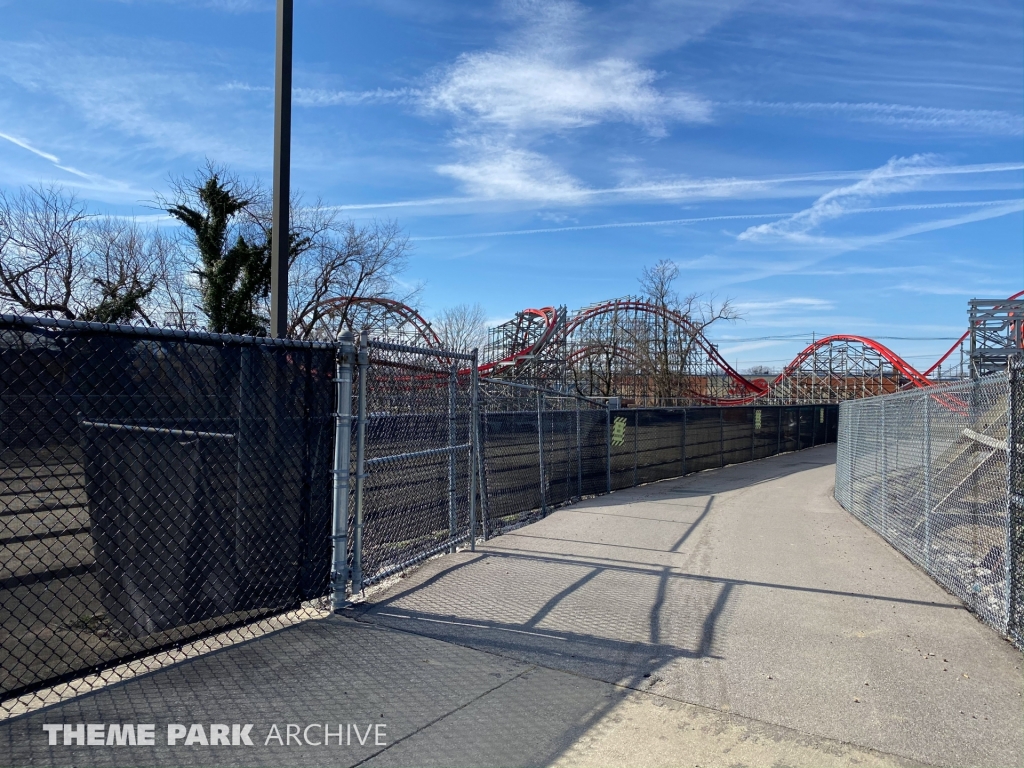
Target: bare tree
x,y
43,251
124,268
462,328
337,263
177,295
58,260
668,349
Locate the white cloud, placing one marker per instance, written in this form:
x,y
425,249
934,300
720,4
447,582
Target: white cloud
x,y
801,303
973,121
25,145
504,172
545,79
900,174
529,91
483,158
82,180
150,91
319,97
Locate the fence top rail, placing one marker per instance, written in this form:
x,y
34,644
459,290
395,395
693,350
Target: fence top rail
x,y
442,353
543,391
1000,379
29,322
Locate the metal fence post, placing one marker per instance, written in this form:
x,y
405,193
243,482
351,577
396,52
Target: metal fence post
x,y
453,384
579,454
1014,505
753,434
357,542
485,508
342,467
540,452
608,444
885,472
636,438
683,448
778,429
721,438
927,481
474,449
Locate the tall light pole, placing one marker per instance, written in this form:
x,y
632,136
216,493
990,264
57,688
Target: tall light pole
x,y
282,172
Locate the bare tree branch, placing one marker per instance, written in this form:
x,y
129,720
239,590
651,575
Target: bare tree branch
x,y
462,328
43,251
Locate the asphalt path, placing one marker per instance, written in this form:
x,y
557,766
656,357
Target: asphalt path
x,y
733,617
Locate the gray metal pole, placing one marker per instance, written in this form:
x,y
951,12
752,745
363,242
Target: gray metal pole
x,y
342,465
885,470
282,172
721,438
683,447
1014,501
357,544
481,464
579,454
608,444
927,480
540,450
452,501
474,449
636,447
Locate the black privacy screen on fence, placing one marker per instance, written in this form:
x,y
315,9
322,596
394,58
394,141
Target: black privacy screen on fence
x,y
415,493
156,487
584,449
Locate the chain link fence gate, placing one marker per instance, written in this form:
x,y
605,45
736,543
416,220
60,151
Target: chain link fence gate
x,y
932,472
156,487
160,487
414,473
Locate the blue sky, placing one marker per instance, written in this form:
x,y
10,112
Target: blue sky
x,y
830,166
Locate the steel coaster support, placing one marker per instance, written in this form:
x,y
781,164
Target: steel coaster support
x,y
342,468
357,544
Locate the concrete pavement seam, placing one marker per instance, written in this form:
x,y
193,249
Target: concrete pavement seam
x,y
446,714
731,715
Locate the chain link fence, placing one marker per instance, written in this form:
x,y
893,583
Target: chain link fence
x,y
928,470
585,449
169,492
157,488
415,451
541,449
1015,506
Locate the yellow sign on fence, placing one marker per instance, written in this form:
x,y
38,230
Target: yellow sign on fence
x,y
619,430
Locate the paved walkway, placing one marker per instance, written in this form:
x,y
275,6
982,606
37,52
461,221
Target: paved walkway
x,y
734,617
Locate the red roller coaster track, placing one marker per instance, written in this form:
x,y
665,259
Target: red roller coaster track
x,y
549,325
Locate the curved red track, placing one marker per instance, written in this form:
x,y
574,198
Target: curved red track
x,y
745,390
